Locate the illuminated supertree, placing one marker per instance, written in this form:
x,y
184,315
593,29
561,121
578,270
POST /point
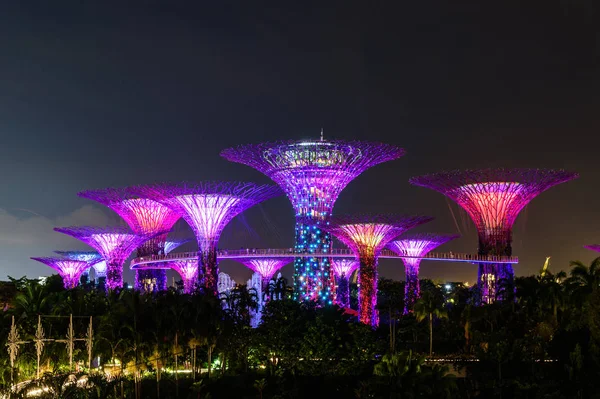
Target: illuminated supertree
x,y
171,245
313,173
493,198
208,207
266,267
70,270
367,236
92,257
342,269
593,247
188,270
411,248
115,244
144,216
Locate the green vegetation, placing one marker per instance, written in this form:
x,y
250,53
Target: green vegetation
x,y
544,344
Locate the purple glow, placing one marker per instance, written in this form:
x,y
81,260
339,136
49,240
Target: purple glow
x,y
312,174
115,244
593,247
366,236
266,267
188,270
70,270
415,246
343,269
493,199
208,207
150,280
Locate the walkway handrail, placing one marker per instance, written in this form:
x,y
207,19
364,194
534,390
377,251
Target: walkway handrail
x,y
334,253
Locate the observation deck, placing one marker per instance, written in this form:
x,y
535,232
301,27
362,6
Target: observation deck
x,y
138,263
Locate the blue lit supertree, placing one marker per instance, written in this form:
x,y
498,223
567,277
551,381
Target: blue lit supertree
x,y
92,257
313,173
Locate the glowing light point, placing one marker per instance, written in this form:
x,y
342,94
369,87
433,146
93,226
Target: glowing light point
x,y
208,207
115,244
414,247
493,199
70,270
367,236
343,269
313,173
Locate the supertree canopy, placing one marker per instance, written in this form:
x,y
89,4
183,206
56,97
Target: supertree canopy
x,y
493,198
266,267
208,207
171,244
69,269
412,248
313,173
342,269
367,236
115,244
144,216
92,257
188,270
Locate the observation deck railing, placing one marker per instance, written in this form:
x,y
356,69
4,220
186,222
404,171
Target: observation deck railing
x,y
334,253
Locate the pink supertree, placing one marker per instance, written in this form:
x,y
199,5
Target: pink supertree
x,y
342,269
367,235
70,270
412,249
188,270
144,216
208,207
493,199
593,247
115,244
92,257
313,173
266,267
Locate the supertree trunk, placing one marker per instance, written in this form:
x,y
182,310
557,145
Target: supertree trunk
x,y
343,291
209,269
114,275
412,289
367,294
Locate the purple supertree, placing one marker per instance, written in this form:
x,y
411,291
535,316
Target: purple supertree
x,y
115,244
266,267
493,198
313,173
593,247
367,235
411,249
92,257
70,270
188,270
208,207
144,216
342,269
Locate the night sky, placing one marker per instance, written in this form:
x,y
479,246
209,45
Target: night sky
x,y
94,94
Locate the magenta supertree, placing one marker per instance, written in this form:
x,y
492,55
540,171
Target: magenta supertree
x,y
593,247
208,207
115,244
92,257
69,269
493,198
342,269
411,249
144,216
313,173
266,267
188,270
367,235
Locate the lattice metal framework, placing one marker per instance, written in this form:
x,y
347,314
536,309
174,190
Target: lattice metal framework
x,y
188,270
313,173
367,235
115,244
342,269
208,207
419,244
266,267
593,247
171,245
70,270
92,257
493,199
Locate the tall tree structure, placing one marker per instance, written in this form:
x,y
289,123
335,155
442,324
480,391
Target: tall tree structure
x,y
313,173
367,236
342,269
266,267
70,270
188,270
115,244
412,249
208,207
146,217
92,257
493,199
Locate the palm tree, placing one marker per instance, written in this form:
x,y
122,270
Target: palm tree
x,y
585,280
428,306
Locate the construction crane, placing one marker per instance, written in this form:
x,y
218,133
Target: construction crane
x,y
545,267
